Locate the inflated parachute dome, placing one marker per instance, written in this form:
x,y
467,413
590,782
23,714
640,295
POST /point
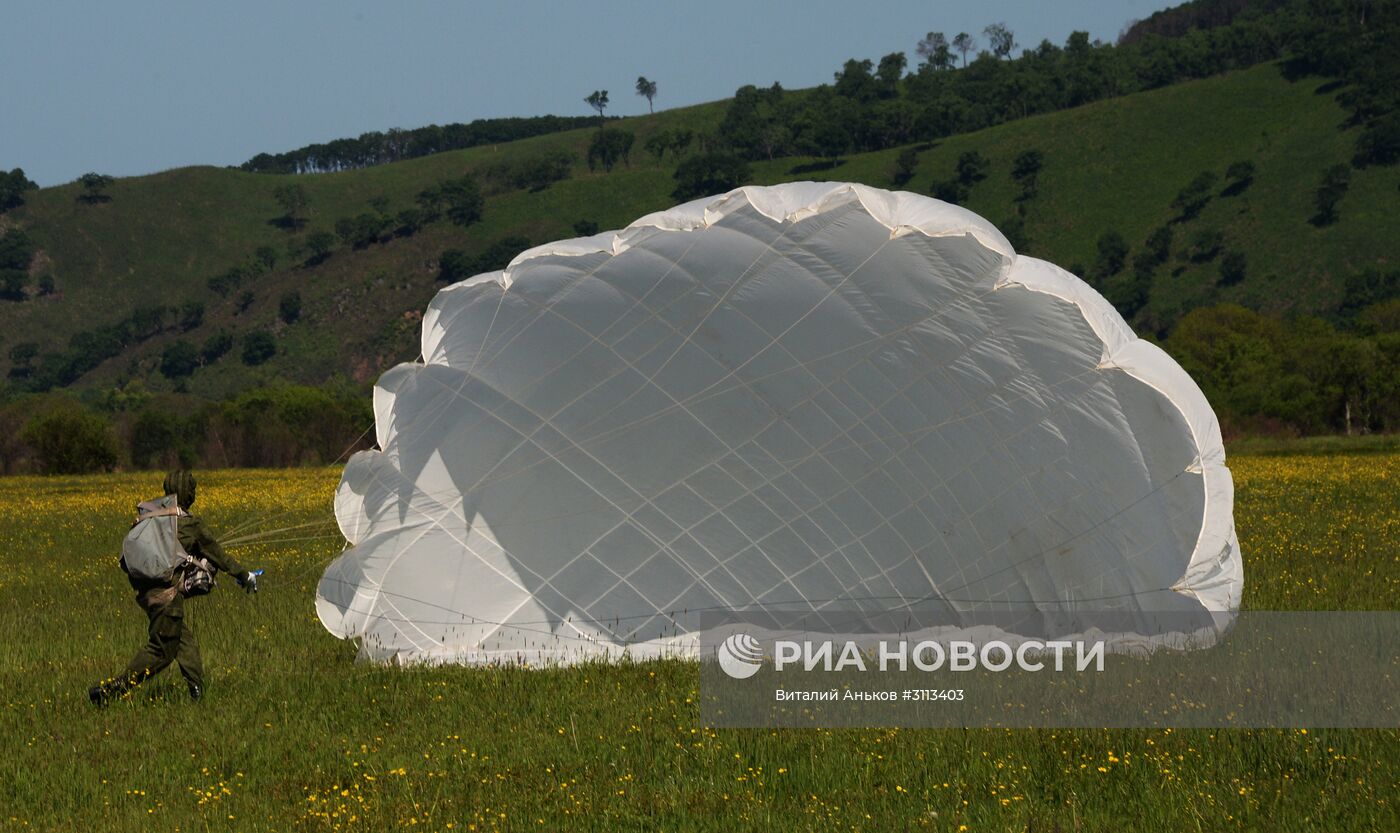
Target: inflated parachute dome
x,y
811,395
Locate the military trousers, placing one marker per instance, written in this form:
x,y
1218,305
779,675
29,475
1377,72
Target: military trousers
x,y
169,639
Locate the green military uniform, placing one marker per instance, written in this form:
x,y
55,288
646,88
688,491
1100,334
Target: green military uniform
x,y
169,636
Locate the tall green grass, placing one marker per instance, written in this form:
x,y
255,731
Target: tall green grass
x,y
294,734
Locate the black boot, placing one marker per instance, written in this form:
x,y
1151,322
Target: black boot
x,y
104,693
195,692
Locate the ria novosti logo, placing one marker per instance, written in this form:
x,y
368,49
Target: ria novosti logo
x,y
740,656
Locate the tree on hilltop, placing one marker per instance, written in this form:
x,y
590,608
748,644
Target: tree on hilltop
x,y
94,188
1000,39
964,43
598,100
12,188
933,48
647,89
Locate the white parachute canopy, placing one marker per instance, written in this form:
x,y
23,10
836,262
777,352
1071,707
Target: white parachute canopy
x,y
813,395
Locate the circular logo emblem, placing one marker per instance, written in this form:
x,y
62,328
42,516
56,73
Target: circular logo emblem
x,y
740,656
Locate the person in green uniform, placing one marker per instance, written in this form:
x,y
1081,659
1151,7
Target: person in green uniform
x,y
169,638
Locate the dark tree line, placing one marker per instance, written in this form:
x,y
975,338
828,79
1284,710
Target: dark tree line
x,y
1358,43
456,265
13,186
382,147
31,371
1202,14
876,105
1302,376
133,428
16,254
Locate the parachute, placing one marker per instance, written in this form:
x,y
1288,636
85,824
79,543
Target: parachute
x,y
151,549
808,395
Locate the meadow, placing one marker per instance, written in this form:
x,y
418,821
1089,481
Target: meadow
x,y
294,734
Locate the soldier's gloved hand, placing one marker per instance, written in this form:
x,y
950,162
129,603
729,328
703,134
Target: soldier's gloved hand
x,y
249,582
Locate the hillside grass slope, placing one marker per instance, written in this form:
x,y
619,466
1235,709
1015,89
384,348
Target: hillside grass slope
x,y
1111,165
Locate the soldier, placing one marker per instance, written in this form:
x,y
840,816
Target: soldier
x,y
170,638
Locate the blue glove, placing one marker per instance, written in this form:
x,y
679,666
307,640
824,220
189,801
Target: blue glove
x,y
249,581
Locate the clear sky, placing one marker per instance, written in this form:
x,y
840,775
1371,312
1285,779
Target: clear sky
x,y
128,88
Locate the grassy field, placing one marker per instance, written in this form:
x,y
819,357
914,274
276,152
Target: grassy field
x,y
295,735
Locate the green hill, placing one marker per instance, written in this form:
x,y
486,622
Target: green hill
x,y
1112,165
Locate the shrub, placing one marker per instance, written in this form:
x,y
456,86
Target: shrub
x,y
1193,198
266,256
972,168
1159,244
289,307
1113,253
410,222
463,200
1206,245
608,147
709,173
535,172
178,360
500,253
225,282
455,265
362,230
1232,268
320,244
1014,230
1379,143
1334,186
155,437
1238,177
1025,170
950,190
216,346
905,164
70,440
258,347
267,426
12,284
191,315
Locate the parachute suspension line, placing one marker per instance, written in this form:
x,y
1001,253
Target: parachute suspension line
x,y
258,542
675,613
253,537
249,530
342,456
486,336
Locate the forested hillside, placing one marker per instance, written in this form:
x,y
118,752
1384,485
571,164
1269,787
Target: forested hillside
x,y
1245,219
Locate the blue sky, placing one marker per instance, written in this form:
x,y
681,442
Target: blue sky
x,y
135,87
